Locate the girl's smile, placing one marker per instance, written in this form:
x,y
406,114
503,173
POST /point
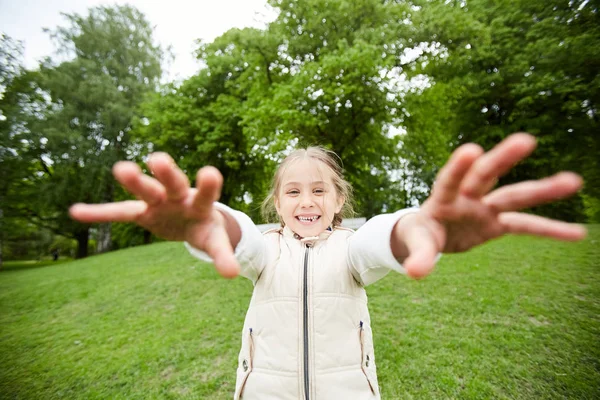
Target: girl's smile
x,y
307,200
308,219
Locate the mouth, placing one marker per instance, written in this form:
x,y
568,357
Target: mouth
x,y
308,220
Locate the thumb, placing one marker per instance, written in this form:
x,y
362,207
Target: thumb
x,y
218,247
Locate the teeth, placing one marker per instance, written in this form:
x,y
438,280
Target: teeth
x,y
308,219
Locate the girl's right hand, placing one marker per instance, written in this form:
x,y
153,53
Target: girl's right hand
x,y
170,208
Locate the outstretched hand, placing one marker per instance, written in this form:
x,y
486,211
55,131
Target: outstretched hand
x,y
170,208
462,211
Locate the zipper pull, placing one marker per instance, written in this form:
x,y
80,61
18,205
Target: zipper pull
x,y
309,241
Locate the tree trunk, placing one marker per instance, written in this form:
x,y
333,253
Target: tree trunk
x,y
104,242
1,236
82,237
104,238
147,236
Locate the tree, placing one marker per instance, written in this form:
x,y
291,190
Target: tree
x,y
10,67
317,75
334,61
520,66
18,99
430,136
91,100
199,124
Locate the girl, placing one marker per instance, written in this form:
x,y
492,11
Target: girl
x,y
307,332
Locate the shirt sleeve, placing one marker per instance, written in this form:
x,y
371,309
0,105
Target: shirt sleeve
x,y
251,249
369,250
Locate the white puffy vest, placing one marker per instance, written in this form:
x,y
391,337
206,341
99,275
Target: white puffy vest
x,y
307,333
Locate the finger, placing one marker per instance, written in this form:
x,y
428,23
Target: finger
x,y
219,249
484,173
451,175
144,187
422,253
168,173
527,224
209,182
123,211
532,193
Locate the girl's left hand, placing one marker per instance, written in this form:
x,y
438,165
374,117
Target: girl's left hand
x,y
462,211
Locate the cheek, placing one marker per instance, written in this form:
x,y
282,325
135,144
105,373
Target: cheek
x,y
286,206
330,204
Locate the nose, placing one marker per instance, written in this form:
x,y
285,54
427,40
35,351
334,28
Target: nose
x,y
306,200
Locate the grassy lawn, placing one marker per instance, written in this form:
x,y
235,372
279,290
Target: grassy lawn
x,y
517,318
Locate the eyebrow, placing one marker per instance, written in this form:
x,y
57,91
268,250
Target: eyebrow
x,y
312,183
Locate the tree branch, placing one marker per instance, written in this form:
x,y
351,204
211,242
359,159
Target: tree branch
x,y
44,166
355,132
40,221
267,63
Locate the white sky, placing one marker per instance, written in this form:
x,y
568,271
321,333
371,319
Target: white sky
x,y
177,23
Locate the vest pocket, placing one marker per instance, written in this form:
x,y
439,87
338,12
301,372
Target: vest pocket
x,y
368,357
244,363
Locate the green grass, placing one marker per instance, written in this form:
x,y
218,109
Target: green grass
x,y
518,318
29,264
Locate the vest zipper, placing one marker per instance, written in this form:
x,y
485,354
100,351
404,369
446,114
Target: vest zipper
x,y
305,322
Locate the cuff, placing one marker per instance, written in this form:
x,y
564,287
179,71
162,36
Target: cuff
x,y
386,226
240,218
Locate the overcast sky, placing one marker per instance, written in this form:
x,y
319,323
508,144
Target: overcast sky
x,y
177,23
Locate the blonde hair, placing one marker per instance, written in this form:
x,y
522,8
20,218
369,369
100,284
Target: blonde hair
x,y
331,161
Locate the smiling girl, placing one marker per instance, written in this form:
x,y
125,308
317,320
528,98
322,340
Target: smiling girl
x,y
307,333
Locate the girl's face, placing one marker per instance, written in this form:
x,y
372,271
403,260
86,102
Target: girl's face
x,y
307,200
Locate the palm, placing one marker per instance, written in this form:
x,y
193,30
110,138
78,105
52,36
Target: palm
x,y
170,208
174,219
463,211
463,224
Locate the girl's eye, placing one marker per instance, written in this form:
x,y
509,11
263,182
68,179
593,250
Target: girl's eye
x,y
319,191
293,192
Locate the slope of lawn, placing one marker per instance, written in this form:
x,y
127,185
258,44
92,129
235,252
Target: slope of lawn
x,y
516,318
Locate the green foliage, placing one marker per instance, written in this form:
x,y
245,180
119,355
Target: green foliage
x,y
23,240
198,124
77,127
18,95
65,247
314,76
519,66
430,137
11,54
592,208
128,235
391,86
329,73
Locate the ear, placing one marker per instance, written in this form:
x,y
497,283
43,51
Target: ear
x,y
276,201
340,203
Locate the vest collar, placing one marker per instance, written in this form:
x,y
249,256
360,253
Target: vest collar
x,y
310,240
